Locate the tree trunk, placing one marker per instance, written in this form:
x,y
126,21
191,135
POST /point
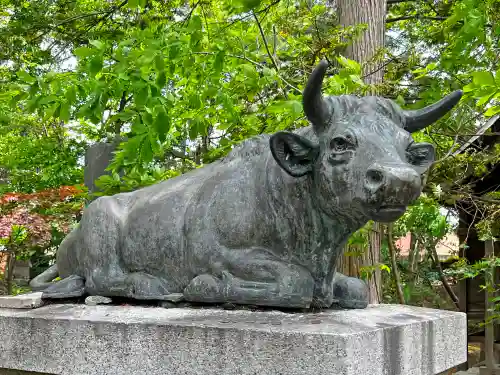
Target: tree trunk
x,y
375,282
9,271
365,47
446,284
363,50
413,255
394,264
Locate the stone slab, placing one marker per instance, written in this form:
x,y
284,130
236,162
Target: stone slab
x,y
4,371
105,339
22,301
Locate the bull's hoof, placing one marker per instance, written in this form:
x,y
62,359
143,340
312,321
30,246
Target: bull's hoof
x,y
71,287
143,286
350,292
205,289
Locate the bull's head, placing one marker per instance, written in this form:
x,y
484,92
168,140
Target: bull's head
x,y
363,160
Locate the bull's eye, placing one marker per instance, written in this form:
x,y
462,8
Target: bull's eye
x,y
417,156
340,144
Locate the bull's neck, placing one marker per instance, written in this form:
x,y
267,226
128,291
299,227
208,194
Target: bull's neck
x,y
293,203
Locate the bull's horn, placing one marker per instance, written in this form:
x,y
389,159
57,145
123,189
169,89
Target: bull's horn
x,y
315,107
419,119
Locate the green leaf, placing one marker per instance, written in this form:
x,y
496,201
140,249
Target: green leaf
x,y
155,146
295,107
268,72
138,127
431,67
125,115
159,63
64,114
193,129
141,98
492,111
33,103
351,65
161,79
95,65
133,4
25,77
47,99
249,70
247,5
195,23
469,88
400,100
162,124
219,61
483,79
71,94
194,101
133,146
84,52
97,44
49,112
485,99
147,118
146,150
174,50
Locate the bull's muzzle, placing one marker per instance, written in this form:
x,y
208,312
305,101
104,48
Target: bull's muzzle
x,y
392,186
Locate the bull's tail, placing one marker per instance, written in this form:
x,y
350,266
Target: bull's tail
x,y
43,280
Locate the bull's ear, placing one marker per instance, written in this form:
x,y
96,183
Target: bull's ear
x,y
421,156
293,153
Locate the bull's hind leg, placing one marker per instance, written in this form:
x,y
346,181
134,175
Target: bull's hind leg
x,y
254,277
70,287
88,259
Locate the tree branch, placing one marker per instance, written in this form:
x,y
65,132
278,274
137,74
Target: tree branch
x,y
256,63
265,41
235,56
418,17
186,20
390,2
404,18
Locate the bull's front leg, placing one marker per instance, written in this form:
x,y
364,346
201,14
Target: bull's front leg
x,y
335,289
253,277
349,292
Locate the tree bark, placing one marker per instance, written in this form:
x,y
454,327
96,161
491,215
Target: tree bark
x,y
413,255
363,50
394,264
375,282
9,271
442,276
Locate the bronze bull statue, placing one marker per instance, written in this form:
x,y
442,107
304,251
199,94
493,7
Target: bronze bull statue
x,y
266,224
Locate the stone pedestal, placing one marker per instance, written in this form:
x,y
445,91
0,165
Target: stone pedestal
x,y
97,158
95,340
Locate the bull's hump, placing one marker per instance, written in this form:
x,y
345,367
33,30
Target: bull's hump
x,y
249,149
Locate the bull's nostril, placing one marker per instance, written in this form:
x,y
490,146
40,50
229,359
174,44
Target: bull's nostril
x,y
374,176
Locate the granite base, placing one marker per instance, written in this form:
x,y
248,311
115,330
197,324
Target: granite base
x,y
104,339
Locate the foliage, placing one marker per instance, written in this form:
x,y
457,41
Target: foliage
x,y
424,220
37,215
38,221
176,81
178,84
449,45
